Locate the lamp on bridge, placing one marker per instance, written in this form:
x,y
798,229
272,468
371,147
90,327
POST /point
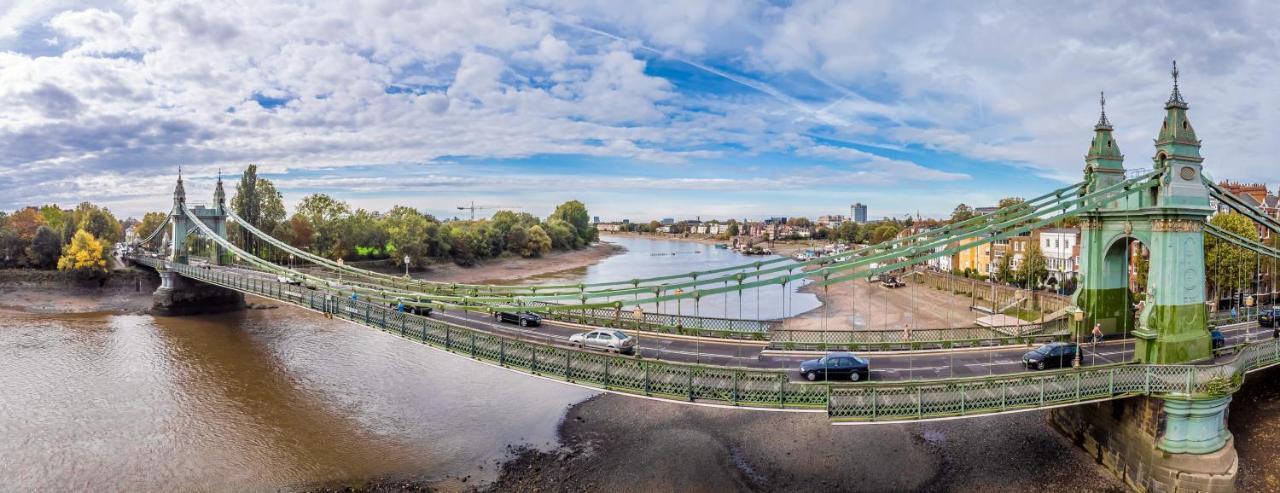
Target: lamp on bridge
x,y
1077,323
339,269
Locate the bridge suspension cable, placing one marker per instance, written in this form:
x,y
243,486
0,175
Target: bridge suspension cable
x,y
974,224
917,253
1010,224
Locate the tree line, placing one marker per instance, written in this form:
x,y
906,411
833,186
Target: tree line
x,y
49,237
324,225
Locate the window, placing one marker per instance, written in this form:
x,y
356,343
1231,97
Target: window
x,y
592,336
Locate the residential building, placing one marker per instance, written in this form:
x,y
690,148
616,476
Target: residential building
x,y
944,263
667,221
1255,195
603,227
977,258
831,220
858,211
1061,249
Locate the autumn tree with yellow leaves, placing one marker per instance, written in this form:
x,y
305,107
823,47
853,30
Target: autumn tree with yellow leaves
x,y
83,256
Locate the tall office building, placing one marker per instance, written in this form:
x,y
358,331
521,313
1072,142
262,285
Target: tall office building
x,y
858,212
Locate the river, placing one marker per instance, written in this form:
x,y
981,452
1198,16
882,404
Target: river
x,y
648,257
255,400
282,398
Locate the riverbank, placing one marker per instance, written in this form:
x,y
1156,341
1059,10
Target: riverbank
x,y
616,443
45,291
511,269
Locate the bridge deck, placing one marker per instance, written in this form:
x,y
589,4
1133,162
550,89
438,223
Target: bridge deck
x,y
903,387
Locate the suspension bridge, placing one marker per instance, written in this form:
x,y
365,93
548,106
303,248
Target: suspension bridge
x,y
1161,353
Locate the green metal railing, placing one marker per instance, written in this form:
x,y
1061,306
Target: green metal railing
x,y
891,340
907,401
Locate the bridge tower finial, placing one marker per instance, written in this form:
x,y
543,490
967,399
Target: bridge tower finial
x,y
1103,123
1175,97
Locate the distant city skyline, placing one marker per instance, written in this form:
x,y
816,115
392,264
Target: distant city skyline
x,y
724,109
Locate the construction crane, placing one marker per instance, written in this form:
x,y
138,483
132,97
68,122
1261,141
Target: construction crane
x,y
473,208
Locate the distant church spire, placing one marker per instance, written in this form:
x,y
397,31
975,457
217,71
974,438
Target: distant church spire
x,y
1103,124
1175,98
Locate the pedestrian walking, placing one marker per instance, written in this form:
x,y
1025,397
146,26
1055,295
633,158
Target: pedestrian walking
x,y
906,333
1097,332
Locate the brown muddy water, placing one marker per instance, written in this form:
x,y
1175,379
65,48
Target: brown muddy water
x,y
255,400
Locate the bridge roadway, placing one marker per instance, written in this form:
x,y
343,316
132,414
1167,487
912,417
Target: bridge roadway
x,y
968,362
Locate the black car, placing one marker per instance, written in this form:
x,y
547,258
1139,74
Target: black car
x,y
892,282
524,319
1055,354
1218,339
1268,318
836,366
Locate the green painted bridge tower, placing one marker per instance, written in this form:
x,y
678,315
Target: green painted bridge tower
x,y
181,228
1171,320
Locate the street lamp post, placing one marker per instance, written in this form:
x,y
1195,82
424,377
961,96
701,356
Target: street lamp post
x,y
339,269
1077,318
406,266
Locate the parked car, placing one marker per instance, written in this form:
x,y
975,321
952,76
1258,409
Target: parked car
x,y
293,280
606,340
1053,354
1268,318
892,282
524,319
416,310
836,366
1218,339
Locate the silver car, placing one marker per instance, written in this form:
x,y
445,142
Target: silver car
x,y
607,340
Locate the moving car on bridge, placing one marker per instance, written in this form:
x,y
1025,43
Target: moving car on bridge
x,y
836,366
1053,354
523,319
607,340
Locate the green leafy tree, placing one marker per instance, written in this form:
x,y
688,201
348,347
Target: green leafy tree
x,y
537,242
1004,269
962,213
1034,268
1010,201
733,228
98,222
150,221
53,216
575,214
45,248
563,236
326,216
407,232
1230,268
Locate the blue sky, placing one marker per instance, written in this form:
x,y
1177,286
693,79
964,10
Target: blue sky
x,y
679,109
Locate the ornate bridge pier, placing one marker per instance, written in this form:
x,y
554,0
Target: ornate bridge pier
x,y
1173,443
180,296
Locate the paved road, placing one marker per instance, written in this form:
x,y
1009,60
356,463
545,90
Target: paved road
x,y
884,367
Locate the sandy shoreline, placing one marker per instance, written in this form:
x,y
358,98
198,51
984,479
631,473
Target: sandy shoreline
x,y
509,270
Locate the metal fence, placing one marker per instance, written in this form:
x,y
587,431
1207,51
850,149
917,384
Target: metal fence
x,y
985,395
892,340
676,381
